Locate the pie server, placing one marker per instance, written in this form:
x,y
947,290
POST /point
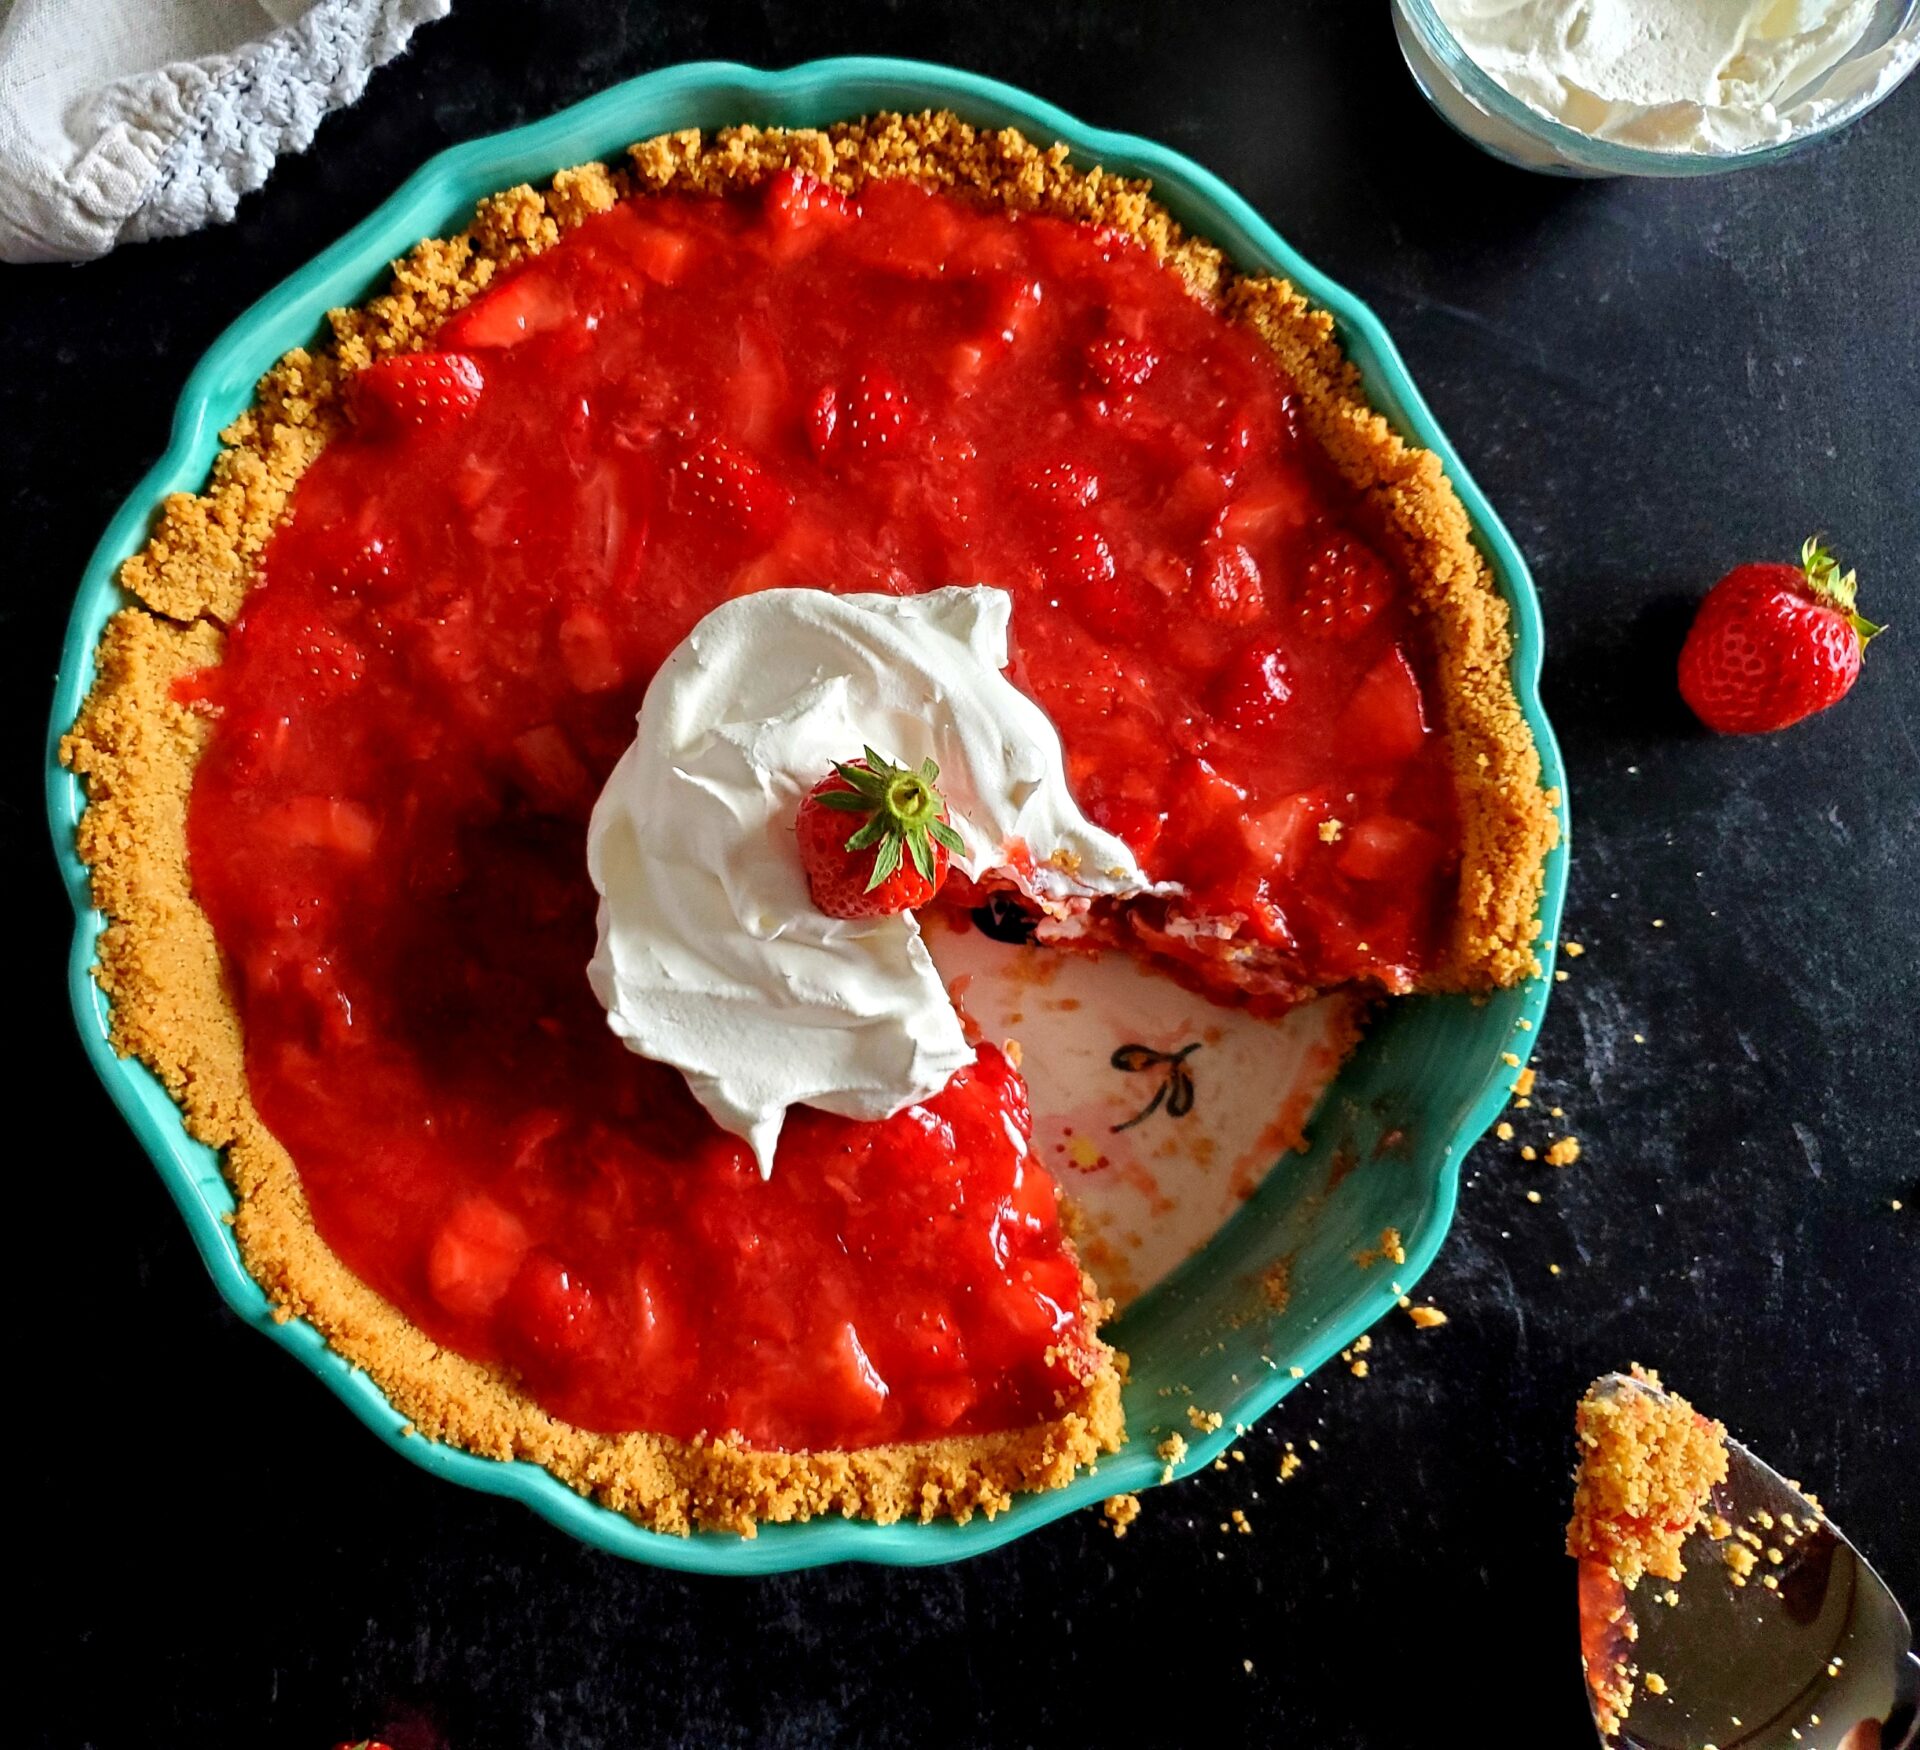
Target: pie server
x,y
1820,1660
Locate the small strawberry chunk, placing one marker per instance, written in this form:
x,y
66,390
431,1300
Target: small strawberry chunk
x,y
361,560
505,315
1228,583
944,1401
878,416
851,1382
1252,691
1080,559
587,653
323,823
420,391
1012,301
552,1310
1117,362
475,1256
1346,584
1385,848
1385,720
822,420
718,482
1066,485
798,201
1282,504
548,759
1286,832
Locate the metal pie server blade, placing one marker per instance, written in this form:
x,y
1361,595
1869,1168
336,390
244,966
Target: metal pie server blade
x,y
1805,1650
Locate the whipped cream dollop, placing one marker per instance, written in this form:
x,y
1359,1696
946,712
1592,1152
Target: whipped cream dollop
x,y
711,956
1680,75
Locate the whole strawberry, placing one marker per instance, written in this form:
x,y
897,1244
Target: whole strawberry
x,y
1774,643
894,858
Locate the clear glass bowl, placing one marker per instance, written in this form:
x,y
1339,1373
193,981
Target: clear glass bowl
x,y
1475,104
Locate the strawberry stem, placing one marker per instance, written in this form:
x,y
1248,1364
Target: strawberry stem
x,y
1834,587
903,812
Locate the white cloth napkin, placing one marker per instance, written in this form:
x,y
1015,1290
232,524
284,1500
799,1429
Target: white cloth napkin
x,y
127,119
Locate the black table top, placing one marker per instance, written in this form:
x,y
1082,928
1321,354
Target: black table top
x,y
1652,381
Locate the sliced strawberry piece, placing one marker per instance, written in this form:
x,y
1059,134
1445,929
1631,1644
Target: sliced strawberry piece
x,y
551,765
1199,494
1080,565
944,1401
359,560
1033,1200
1117,362
850,1381
1064,484
1252,691
322,823
1346,584
1287,832
797,201
725,485
1210,797
1276,507
335,664
587,652
1385,720
878,416
418,391
1384,847
662,254
1080,559
929,1335
475,1257
552,1311
1228,584
1139,823
823,420
653,1333
757,403
505,315
1012,302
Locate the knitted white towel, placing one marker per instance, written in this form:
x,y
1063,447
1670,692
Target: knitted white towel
x,y
127,119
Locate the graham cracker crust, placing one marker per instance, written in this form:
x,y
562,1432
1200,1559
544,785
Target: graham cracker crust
x,y
137,747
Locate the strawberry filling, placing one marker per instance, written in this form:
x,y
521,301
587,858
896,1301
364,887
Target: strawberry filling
x,y
686,400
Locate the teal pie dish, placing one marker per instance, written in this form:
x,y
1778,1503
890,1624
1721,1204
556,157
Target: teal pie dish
x,y
1392,1131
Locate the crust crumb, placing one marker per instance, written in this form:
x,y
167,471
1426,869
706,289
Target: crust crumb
x,y
1648,1465
1388,1247
1121,1511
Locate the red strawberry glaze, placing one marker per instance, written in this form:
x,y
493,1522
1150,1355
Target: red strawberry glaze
x,y
685,400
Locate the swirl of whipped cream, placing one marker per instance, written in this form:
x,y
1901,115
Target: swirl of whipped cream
x,y
711,956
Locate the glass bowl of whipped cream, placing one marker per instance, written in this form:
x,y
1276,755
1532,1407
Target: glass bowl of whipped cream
x,y
1654,87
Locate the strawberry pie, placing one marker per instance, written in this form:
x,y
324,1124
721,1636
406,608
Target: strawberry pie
x,y
347,737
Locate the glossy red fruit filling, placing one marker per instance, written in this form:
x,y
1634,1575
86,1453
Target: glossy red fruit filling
x,y
686,400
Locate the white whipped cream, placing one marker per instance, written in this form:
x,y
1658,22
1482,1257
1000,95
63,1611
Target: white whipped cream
x,y
711,955
1680,75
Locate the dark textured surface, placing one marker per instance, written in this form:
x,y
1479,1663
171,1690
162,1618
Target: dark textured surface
x,y
1651,381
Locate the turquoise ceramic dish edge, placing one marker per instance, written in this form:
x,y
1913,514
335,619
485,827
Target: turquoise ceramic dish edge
x,y
438,198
